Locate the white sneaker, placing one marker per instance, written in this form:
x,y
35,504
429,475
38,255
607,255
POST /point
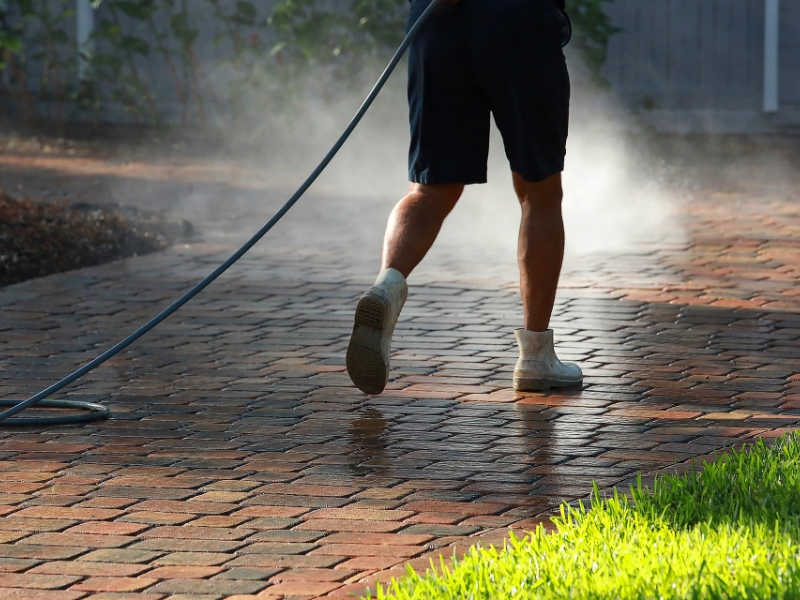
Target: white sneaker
x,y
371,340
538,368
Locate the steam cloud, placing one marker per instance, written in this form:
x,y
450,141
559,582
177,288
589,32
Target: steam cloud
x,y
615,195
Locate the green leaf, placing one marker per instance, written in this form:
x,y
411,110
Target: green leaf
x,y
246,9
134,44
9,42
59,36
182,29
136,10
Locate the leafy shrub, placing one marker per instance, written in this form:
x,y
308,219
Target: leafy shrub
x,y
275,52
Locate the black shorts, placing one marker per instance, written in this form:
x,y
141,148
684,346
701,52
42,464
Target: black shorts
x,y
500,57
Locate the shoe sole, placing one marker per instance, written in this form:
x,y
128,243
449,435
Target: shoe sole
x,y
366,365
542,385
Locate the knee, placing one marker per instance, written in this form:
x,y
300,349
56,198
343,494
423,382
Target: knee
x,y
542,196
550,200
442,197
542,201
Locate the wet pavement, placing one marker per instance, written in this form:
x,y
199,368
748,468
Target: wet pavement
x,y
241,463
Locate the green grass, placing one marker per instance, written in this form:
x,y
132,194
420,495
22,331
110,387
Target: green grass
x,y
731,530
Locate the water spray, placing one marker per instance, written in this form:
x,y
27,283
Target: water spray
x,y
93,411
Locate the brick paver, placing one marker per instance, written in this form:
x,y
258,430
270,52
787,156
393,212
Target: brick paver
x,y
240,462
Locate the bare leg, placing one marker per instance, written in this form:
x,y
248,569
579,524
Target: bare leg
x,y
414,224
541,247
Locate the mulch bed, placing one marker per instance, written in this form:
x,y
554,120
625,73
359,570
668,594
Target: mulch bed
x,y
40,239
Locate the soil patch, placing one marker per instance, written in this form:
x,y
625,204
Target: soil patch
x,y
39,239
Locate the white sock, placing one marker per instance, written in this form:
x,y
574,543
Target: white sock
x,y
390,277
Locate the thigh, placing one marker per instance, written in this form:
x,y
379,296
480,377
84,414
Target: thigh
x,y
449,113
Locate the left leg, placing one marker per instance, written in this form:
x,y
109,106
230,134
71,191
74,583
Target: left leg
x,y
541,247
541,250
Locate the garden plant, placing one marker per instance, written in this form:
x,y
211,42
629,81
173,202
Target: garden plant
x,y
264,54
729,530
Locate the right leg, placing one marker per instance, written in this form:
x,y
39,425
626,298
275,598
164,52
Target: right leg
x,y
449,119
413,226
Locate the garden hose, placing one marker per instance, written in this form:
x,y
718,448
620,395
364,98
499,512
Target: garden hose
x,y
97,411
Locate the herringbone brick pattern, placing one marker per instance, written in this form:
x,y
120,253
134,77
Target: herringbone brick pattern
x,y
241,463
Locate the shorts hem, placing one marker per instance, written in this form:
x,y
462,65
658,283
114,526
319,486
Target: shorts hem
x,y
433,180
538,175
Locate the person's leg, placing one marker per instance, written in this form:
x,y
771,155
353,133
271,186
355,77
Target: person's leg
x,y
449,122
414,224
541,247
541,251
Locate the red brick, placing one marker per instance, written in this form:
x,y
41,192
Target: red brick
x,y
20,487
376,539
436,518
465,508
368,550
207,454
68,512
125,596
184,572
157,482
120,555
16,565
114,584
301,588
296,489
284,561
350,591
219,521
360,514
107,528
187,506
213,587
20,550
6,446
156,518
26,476
78,539
312,575
221,497
277,548
36,581
27,594
370,563
106,503
350,525
31,466
202,559
89,569
271,511
198,533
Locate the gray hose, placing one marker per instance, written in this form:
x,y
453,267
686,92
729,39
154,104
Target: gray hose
x,y
93,414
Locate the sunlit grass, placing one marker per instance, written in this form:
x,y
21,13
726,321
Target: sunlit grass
x,y
730,530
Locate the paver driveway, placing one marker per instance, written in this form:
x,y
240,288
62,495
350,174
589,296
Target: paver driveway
x,y
241,463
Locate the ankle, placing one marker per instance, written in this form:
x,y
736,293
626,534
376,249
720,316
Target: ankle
x,y
390,276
